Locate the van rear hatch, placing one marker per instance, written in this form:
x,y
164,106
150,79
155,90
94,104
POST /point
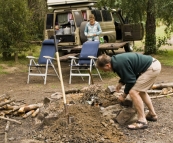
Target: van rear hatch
x,y
63,2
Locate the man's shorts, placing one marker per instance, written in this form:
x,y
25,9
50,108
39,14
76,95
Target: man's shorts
x,y
147,79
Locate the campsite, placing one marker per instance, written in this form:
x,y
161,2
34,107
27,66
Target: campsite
x,y
80,103
87,123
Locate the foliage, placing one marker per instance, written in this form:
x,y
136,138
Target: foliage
x,y
14,26
20,22
148,11
38,10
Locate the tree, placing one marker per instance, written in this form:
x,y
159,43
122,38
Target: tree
x,y
38,8
14,27
150,11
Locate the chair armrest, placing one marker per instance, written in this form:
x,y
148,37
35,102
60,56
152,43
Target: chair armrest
x,y
48,57
72,57
92,57
31,57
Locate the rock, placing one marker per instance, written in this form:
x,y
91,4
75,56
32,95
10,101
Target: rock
x,y
125,116
111,112
50,118
46,100
110,89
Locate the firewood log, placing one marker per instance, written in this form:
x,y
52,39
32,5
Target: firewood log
x,y
28,114
36,112
7,102
21,110
162,85
28,108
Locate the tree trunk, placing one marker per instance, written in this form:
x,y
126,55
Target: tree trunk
x,y
150,39
16,57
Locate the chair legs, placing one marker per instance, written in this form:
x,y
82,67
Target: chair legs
x,y
92,63
43,75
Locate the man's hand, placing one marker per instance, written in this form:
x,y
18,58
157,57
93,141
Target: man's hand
x,y
118,87
122,97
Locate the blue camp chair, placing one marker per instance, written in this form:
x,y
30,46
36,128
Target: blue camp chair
x,y
86,61
45,59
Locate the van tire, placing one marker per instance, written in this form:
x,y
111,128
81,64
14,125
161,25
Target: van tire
x,y
83,38
129,47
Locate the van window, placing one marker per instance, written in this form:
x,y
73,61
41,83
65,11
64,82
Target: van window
x,y
61,18
97,15
78,17
106,15
49,21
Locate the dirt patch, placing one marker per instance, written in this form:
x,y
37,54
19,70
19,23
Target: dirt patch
x,y
89,125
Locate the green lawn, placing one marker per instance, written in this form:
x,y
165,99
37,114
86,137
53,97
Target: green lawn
x,y
166,58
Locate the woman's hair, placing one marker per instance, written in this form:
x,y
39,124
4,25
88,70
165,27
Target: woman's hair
x,y
91,16
103,60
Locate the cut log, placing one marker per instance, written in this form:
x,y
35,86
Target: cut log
x,y
162,85
36,112
28,108
21,110
31,107
28,114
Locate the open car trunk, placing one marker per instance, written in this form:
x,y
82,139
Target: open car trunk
x,y
132,32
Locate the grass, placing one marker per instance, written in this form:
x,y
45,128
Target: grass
x,y
2,70
165,57
159,33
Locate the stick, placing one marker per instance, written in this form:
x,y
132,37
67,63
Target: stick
x,y
154,91
6,137
2,104
159,96
7,126
12,120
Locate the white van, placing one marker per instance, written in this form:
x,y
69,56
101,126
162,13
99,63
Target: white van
x,y
72,16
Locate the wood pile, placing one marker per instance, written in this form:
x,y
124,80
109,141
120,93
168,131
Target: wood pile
x,y
8,107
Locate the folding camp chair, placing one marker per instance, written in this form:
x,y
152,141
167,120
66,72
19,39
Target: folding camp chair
x,y
46,57
86,60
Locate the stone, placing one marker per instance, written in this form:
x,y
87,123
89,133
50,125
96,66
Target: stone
x,y
125,116
110,89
